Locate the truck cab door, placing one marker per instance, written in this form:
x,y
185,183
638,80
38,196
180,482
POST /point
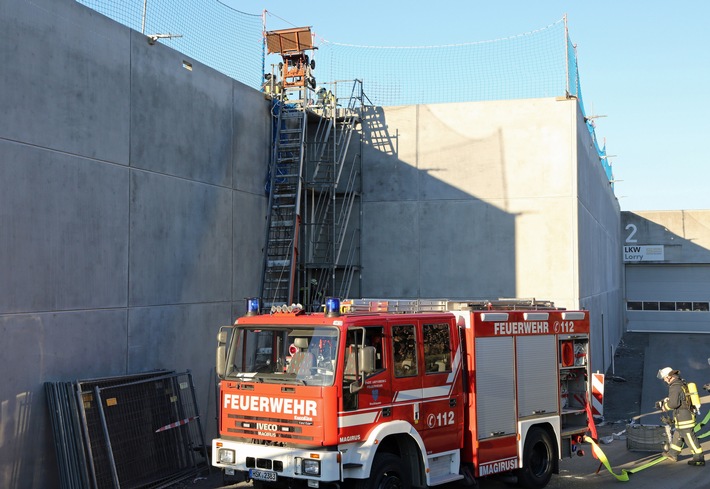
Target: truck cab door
x,y
443,412
407,394
375,390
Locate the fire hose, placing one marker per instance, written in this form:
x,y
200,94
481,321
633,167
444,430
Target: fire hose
x,y
623,476
700,426
599,453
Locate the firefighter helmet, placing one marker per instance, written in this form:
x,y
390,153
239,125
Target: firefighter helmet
x,y
665,372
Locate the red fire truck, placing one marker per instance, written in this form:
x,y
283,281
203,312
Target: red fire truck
x,y
401,393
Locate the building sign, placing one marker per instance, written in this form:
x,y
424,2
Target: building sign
x,y
643,253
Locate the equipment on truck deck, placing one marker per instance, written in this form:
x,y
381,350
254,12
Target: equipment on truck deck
x,y
405,392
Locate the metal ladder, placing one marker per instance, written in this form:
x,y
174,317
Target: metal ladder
x,y
284,188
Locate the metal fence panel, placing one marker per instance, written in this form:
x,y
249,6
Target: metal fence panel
x,y
139,431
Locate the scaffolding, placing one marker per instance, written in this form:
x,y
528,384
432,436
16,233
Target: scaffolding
x,y
312,242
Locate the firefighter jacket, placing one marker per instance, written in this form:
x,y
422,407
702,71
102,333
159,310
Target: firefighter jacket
x,y
677,402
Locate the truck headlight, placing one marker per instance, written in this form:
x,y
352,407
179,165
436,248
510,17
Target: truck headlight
x,y
311,467
225,456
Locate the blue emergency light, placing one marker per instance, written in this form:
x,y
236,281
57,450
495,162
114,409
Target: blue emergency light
x,y
332,307
253,306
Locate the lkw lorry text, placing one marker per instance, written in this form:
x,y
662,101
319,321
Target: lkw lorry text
x,y
401,393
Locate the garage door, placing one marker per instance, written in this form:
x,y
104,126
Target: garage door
x,y
668,298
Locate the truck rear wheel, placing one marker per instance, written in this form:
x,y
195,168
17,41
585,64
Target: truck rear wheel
x,y
538,456
387,472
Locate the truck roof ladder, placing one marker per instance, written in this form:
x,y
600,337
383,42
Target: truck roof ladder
x,y
443,305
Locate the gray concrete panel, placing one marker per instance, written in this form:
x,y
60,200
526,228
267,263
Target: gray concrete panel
x,y
251,139
606,327
180,241
238,309
65,86
64,223
467,250
386,178
391,227
181,118
500,150
685,235
39,348
249,237
599,280
545,248
599,255
454,165
158,339
596,333
386,175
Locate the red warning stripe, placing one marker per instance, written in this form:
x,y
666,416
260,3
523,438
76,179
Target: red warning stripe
x,y
176,424
598,394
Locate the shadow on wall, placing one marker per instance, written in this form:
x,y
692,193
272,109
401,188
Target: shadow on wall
x,y
427,235
375,132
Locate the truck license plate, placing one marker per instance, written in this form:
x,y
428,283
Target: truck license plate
x,y
262,475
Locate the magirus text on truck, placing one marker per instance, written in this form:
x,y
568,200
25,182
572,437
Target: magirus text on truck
x,y
401,393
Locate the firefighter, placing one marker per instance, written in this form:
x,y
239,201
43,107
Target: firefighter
x,y
320,96
683,417
271,87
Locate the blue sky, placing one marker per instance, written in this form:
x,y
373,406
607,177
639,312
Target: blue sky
x,y
643,65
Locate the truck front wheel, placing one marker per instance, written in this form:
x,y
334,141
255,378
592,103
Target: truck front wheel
x,y
538,456
388,472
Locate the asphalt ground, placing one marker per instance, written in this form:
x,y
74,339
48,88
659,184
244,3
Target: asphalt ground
x,y
631,389
578,472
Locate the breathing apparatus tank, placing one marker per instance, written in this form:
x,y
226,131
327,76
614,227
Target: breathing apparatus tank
x,y
693,396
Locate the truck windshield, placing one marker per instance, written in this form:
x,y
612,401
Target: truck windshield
x,y
278,354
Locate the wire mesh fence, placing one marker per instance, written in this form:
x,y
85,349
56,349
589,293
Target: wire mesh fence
x,y
140,431
209,31
530,65
535,64
540,63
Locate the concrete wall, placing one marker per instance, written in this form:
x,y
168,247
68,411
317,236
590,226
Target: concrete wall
x,y
131,214
487,200
599,263
684,234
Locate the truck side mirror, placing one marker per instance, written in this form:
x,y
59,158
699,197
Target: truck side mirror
x,y
367,359
221,360
366,363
